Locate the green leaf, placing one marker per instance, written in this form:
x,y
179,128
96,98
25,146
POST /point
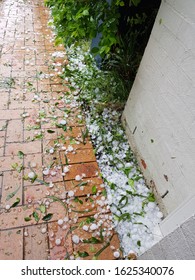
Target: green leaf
x,y
66,160
90,220
131,182
139,243
151,197
112,186
124,198
94,190
36,216
14,165
127,170
81,224
42,182
9,196
83,254
25,177
50,131
95,50
16,202
47,217
101,234
72,141
39,136
42,209
81,184
104,193
92,249
120,3
92,240
27,219
20,154
17,167
136,2
85,12
124,217
76,199
95,257
64,127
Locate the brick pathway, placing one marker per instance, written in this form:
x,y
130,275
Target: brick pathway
x,y
41,137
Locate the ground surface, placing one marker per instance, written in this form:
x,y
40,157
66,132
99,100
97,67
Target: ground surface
x,y
56,216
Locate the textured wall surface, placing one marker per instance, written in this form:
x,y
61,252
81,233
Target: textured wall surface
x,y
160,113
178,245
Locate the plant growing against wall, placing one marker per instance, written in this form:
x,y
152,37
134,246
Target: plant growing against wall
x,y
124,27
84,19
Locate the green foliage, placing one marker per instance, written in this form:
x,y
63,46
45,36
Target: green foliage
x,y
124,30
83,19
135,2
124,61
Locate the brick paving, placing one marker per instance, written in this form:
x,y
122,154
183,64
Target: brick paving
x,y
32,104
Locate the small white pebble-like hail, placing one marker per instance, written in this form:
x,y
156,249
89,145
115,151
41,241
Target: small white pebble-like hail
x,y
75,239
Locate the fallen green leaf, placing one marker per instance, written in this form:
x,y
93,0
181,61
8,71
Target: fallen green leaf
x,y
36,216
125,217
9,196
95,257
64,127
20,154
42,209
151,197
50,131
104,193
66,160
76,199
27,219
72,141
42,182
25,177
81,184
47,217
139,243
92,240
83,254
92,249
17,167
94,190
125,200
101,234
90,220
16,202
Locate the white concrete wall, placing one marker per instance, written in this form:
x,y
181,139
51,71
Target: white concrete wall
x,y
160,113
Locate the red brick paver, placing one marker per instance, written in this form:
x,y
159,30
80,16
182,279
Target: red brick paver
x,y
61,213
